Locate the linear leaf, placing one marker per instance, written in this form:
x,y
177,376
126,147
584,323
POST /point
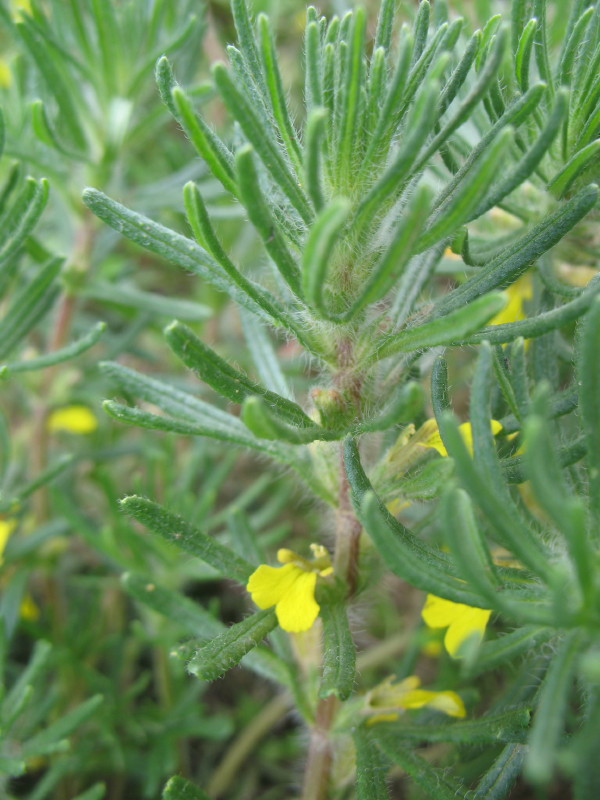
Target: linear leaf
x,y
178,788
175,529
444,330
29,306
339,652
512,262
228,649
224,378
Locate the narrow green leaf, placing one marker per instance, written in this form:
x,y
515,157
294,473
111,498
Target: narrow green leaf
x,y
178,788
571,46
538,325
27,677
313,79
431,781
218,158
443,330
246,38
370,768
339,652
21,217
550,714
265,423
264,355
224,378
241,109
512,530
191,616
421,30
276,92
394,178
408,557
404,406
532,157
498,781
588,375
175,529
561,182
313,153
29,306
508,647
512,262
56,356
385,24
228,649
463,204
352,83
95,792
523,54
464,110
508,726
165,80
318,248
261,216
50,739
176,248
467,542
387,271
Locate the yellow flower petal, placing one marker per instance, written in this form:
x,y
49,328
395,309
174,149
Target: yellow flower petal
x,y
471,624
28,609
7,526
391,716
75,419
298,609
448,702
462,621
268,585
439,613
291,589
518,292
434,440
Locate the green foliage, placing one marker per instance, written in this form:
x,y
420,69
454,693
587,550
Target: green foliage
x,y
404,224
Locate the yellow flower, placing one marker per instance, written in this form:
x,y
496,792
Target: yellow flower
x,y
75,419
5,74
291,588
518,292
7,526
430,435
462,621
28,609
389,699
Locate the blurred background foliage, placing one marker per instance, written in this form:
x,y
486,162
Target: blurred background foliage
x,y
81,108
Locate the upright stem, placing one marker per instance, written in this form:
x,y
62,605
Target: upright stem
x,y
320,752
348,530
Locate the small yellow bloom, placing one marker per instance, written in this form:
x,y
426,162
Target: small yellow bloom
x,y
74,419
430,435
7,526
5,74
291,588
518,292
462,621
28,609
389,699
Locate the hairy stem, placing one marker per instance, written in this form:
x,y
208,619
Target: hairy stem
x,y
320,752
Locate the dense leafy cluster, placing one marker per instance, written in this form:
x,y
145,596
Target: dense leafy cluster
x,y
423,205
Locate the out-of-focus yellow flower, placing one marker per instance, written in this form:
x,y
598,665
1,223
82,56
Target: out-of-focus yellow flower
x,y
5,74
386,701
429,435
463,622
74,419
7,526
518,293
291,588
28,609
20,7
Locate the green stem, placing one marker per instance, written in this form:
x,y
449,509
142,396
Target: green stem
x,y
320,752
